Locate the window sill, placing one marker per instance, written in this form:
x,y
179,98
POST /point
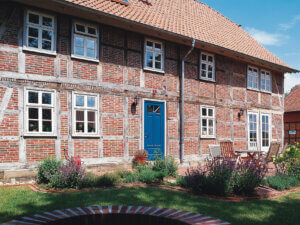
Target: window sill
x,y
85,59
154,70
208,80
253,89
266,92
86,135
29,135
41,51
208,137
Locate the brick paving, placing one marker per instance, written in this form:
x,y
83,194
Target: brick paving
x,y
152,215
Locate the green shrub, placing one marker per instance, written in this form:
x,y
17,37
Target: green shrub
x,y
122,173
223,177
131,178
47,169
181,181
246,177
107,180
68,175
149,176
166,165
282,181
289,162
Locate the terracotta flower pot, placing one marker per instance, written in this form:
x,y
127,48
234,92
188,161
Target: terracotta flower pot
x,y
140,159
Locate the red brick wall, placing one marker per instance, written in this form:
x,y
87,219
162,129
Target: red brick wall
x,y
40,65
113,148
8,61
9,151
39,149
86,148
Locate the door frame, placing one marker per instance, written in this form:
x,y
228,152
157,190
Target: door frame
x,y
143,122
258,128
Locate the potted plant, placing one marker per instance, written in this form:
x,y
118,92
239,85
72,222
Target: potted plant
x,y
141,156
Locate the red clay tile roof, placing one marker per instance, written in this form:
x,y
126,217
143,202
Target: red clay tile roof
x,y
292,101
189,18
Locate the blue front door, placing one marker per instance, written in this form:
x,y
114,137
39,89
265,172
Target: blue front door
x,y
154,129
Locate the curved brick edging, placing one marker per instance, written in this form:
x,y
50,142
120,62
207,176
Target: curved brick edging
x,y
188,218
265,192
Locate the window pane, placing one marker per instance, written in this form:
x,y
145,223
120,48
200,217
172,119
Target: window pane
x,y
47,21
91,101
80,127
204,131
158,65
210,123
204,112
90,53
149,58
210,112
79,51
91,128
210,131
156,109
268,86
210,59
203,73
47,114
33,113
33,97
33,18
33,126
33,42
149,45
203,57
33,32
47,127
204,123
210,68
47,35
203,66
90,44
209,75
79,100
46,98
79,115
149,108
80,28
157,46
91,30
46,45
91,116
79,42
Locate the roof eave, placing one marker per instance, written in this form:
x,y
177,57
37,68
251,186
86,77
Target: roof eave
x,y
186,38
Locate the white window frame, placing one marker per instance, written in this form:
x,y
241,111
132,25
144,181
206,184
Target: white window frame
x,y
259,116
265,148
162,52
252,145
207,63
85,36
40,27
261,80
258,78
85,109
213,117
40,106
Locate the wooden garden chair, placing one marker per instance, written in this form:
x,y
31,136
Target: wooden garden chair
x,y
215,151
227,151
273,152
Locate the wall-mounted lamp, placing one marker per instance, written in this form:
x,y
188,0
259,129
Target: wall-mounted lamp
x,y
241,113
136,99
134,104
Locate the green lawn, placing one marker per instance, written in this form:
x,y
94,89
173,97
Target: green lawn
x,y
20,201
